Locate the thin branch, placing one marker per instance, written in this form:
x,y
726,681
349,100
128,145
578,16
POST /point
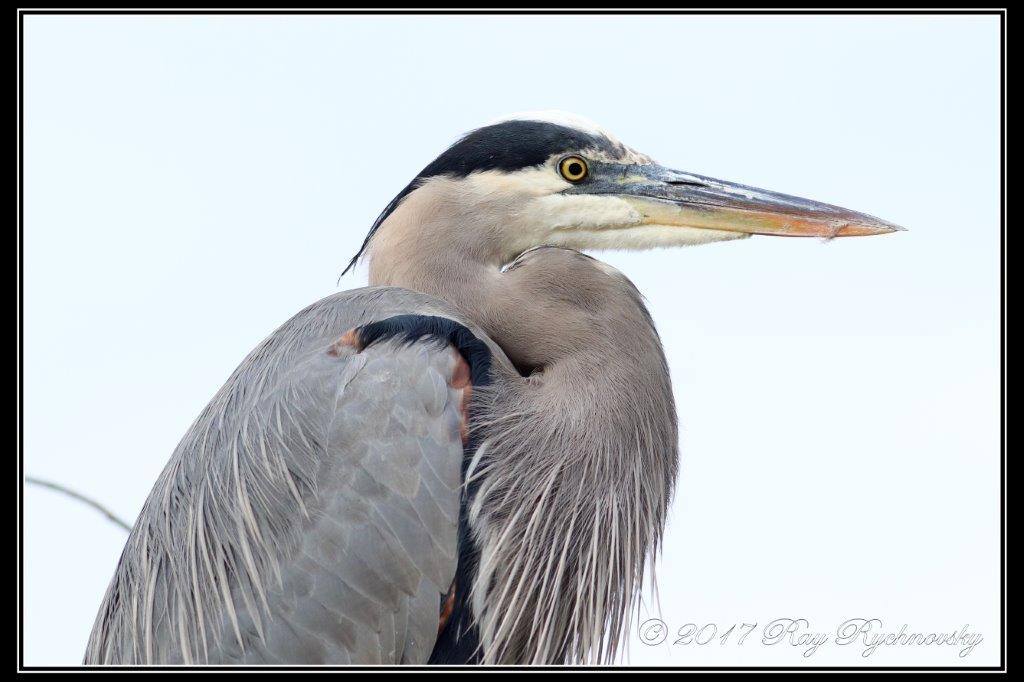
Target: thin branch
x,y
80,497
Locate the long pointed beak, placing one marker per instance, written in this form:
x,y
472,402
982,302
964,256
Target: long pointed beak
x,y
676,198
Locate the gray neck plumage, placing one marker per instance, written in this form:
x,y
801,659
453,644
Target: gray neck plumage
x,y
576,466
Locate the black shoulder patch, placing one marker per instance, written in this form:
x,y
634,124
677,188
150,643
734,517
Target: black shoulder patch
x,y
411,328
505,146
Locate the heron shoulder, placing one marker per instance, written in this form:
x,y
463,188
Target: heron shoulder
x,y
321,479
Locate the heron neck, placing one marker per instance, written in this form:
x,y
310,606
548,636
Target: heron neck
x,y
518,312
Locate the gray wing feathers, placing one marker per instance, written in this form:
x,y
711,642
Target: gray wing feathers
x,y
310,514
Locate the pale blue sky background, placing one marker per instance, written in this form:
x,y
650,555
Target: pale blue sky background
x,y
191,182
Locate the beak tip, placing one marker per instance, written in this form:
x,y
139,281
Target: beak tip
x,y
889,228
869,225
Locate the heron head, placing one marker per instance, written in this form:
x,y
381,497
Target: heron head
x,y
556,179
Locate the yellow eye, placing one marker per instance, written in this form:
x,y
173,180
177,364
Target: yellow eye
x,y
573,168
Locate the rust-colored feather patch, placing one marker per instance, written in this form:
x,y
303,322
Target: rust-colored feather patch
x,y
447,607
461,379
349,339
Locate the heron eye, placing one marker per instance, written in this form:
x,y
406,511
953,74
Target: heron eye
x,y
573,168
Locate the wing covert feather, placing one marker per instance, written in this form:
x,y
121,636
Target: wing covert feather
x,y
310,515
379,542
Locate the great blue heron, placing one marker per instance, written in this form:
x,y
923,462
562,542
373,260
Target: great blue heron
x,y
468,461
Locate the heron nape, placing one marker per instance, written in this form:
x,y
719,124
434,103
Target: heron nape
x,y
468,461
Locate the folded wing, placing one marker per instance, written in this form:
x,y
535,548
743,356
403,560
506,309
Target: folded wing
x,y
310,514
